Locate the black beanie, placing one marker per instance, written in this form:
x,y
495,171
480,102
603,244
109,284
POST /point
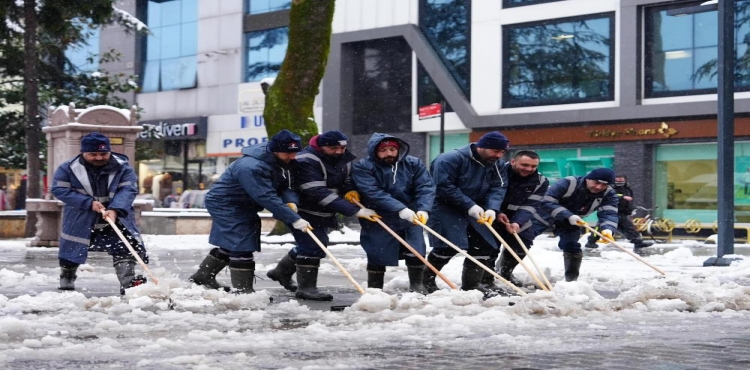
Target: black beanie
x,y
95,142
285,141
493,140
603,175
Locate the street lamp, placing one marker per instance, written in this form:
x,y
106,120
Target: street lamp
x,y
725,118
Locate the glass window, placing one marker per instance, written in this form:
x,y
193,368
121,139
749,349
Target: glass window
x,y
686,182
78,55
559,61
452,141
171,47
265,6
559,163
381,86
447,26
515,3
681,51
265,52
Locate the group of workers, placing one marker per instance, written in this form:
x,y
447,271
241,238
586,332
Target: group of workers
x,y
465,193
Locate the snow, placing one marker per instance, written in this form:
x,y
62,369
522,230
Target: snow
x,y
175,324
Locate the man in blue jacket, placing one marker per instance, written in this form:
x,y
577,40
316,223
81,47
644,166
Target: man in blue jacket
x,y
398,187
97,180
322,174
470,186
260,179
569,199
526,189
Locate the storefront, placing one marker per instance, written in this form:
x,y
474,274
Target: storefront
x,y
670,164
181,164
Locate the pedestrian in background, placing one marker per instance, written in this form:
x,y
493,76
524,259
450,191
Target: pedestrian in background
x,y
625,208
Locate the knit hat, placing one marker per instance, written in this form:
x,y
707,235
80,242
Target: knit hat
x,y
332,138
389,142
602,175
493,140
95,142
285,141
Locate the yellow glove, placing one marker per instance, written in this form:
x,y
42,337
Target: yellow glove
x,y
352,195
292,206
608,235
422,217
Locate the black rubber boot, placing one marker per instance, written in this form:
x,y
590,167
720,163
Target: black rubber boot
x,y
67,278
125,270
428,276
507,264
640,243
375,279
209,268
591,241
243,276
487,284
572,265
415,278
307,277
471,275
283,273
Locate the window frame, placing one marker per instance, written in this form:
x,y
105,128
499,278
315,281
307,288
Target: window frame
x,y
505,84
508,5
246,56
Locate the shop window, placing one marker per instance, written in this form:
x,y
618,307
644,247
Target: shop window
x,y
266,50
515,3
558,163
381,75
171,47
452,141
686,182
681,51
266,6
560,61
447,26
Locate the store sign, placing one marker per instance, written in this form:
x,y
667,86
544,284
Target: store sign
x,y
663,130
228,134
250,98
175,129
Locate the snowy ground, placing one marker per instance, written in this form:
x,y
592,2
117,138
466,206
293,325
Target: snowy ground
x,y
620,314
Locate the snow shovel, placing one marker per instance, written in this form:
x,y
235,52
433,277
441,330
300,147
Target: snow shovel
x,y
463,252
621,248
520,261
412,250
130,248
336,262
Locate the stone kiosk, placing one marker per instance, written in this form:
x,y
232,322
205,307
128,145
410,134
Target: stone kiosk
x,y
67,126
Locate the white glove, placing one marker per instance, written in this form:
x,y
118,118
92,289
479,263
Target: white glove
x,y
476,212
301,225
489,216
422,217
367,214
575,220
407,214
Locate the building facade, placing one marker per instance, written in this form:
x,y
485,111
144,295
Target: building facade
x,y
586,83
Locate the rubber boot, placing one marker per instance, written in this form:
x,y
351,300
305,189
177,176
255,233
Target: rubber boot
x,y
307,277
242,275
640,243
487,284
283,273
67,278
375,279
471,275
125,270
428,276
507,264
415,278
208,269
572,265
591,241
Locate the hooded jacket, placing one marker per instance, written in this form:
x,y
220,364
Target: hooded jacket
x,y
387,189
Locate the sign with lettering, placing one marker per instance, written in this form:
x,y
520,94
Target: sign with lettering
x,y
175,129
228,134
